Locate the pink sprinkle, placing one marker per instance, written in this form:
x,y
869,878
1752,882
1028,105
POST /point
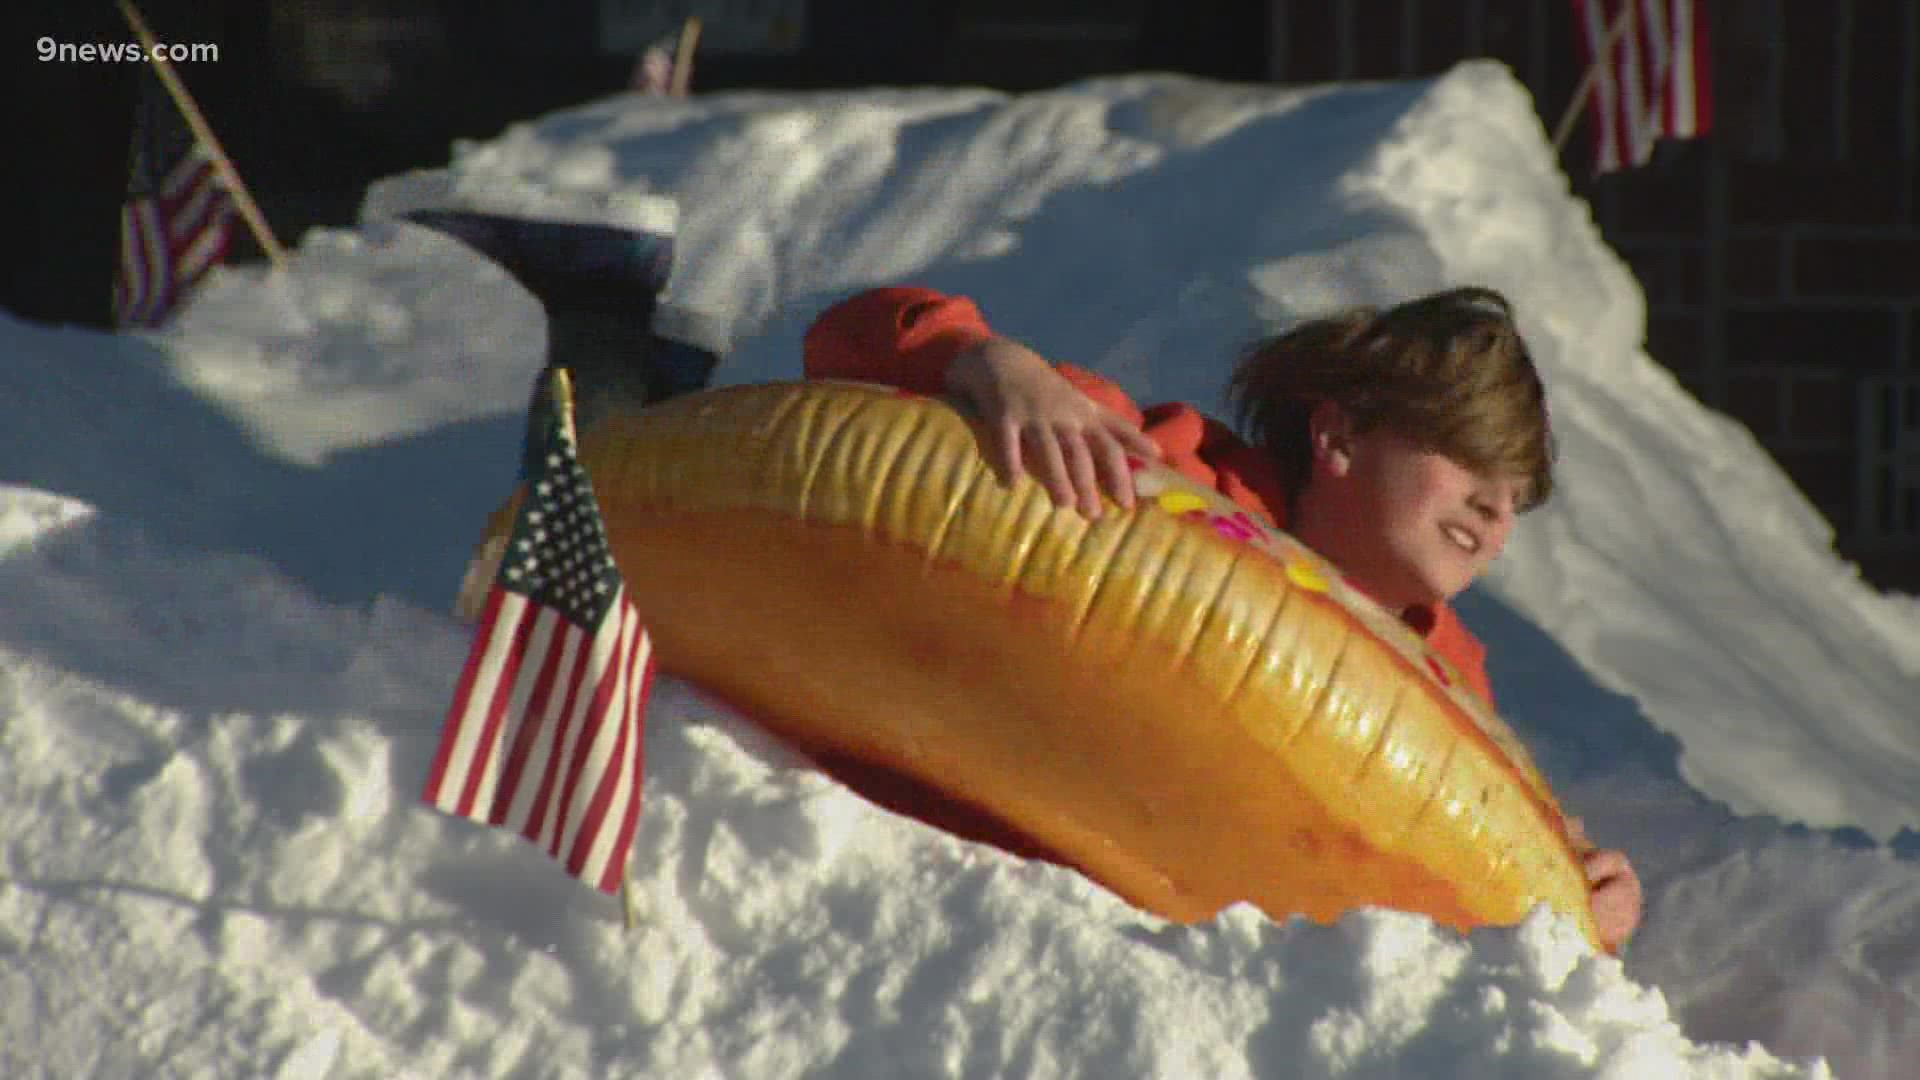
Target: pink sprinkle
x,y
1235,528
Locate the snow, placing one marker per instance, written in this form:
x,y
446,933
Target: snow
x,y
227,553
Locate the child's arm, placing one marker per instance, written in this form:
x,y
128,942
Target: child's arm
x,y
1041,420
1071,428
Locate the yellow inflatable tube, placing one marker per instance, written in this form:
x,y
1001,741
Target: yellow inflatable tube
x,y
1192,709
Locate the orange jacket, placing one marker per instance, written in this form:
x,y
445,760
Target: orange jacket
x,y
906,337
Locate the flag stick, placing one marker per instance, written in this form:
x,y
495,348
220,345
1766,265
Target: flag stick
x,y
683,56
1601,57
203,134
561,387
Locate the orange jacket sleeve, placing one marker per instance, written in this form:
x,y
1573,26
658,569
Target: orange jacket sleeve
x,y
902,337
906,337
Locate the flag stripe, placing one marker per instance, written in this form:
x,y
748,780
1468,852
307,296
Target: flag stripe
x,y
593,844
129,287
589,818
627,798
531,742
510,703
193,207
1652,82
443,774
1605,94
1693,54
1682,115
202,256
506,646
552,804
591,751
1631,100
182,176
1655,31
623,806
151,250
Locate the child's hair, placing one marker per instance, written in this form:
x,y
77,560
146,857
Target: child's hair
x,y
1448,371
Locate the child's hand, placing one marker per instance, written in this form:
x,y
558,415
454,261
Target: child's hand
x,y
1035,418
1615,897
1615,893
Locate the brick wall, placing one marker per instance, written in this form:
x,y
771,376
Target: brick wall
x,y
1780,256
1825,290
1787,294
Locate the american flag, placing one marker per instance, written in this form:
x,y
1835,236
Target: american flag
x,y
177,219
1654,81
653,71
544,733
665,68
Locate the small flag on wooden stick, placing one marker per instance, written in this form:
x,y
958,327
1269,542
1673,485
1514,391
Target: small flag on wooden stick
x,y
177,220
166,243
665,68
544,733
1648,76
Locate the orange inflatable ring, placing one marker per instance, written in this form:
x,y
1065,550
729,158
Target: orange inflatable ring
x,y
1191,708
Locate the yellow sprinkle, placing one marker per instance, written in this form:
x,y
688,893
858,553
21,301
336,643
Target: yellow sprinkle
x,y
1304,575
1179,502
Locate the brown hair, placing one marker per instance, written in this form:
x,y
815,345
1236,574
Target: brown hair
x,y
1449,371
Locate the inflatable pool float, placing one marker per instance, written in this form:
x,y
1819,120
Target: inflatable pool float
x,y
1190,708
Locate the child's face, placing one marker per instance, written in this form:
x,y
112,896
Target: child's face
x,y
1407,524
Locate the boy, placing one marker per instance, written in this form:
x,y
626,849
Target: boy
x,y
1400,444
